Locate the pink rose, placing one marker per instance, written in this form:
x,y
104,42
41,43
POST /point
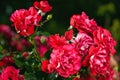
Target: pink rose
x,y
57,41
99,60
82,43
83,23
103,36
43,5
65,60
25,20
10,73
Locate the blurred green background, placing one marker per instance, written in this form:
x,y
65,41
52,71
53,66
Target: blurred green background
x,y
105,12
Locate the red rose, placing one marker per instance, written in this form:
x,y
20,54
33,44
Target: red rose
x,y
109,75
8,60
25,20
99,60
65,60
103,36
82,43
10,73
2,64
57,41
6,31
36,4
69,34
83,23
47,67
42,5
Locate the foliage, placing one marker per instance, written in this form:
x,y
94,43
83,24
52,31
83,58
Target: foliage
x,y
81,52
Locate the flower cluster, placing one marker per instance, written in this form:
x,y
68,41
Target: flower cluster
x,y
90,47
26,20
82,53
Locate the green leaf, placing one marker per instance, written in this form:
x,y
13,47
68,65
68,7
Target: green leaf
x,y
29,76
43,33
1,48
18,62
1,56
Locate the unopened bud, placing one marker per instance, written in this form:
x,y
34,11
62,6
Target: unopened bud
x,y
49,17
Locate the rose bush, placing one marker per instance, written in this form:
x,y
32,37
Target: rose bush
x,y
82,53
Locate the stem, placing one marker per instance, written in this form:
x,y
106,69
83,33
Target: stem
x,y
36,29
42,23
36,53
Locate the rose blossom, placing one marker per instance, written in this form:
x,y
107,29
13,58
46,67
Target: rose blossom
x,y
82,43
25,20
57,41
47,67
99,60
10,73
103,36
109,75
65,60
69,34
43,5
8,60
83,23
6,31
2,64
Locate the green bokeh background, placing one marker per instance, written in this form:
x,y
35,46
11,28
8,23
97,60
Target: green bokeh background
x,y
105,12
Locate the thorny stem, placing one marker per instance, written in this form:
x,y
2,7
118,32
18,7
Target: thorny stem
x,y
42,23
48,18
